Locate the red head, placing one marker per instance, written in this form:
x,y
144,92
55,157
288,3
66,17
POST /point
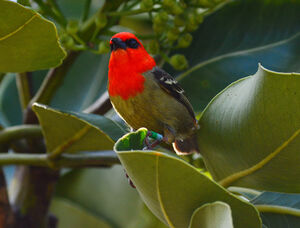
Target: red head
x,y
128,60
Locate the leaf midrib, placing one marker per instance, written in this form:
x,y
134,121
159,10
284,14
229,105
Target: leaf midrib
x,y
231,54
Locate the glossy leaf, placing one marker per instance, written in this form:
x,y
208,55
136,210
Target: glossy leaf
x,y
28,42
84,83
10,111
104,192
69,214
279,210
231,42
250,132
70,132
173,189
212,215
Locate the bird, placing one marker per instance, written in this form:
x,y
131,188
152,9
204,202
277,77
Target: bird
x,y
144,95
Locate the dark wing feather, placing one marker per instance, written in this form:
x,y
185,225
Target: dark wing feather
x,y
171,86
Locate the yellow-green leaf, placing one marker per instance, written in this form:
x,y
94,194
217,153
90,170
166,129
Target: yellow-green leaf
x,y
69,214
68,132
212,215
28,42
173,189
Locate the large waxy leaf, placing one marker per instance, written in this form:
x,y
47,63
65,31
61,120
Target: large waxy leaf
x,y
231,41
70,132
85,82
212,215
104,192
28,42
69,214
279,210
10,111
250,132
173,189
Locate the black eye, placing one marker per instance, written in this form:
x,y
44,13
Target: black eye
x,y
132,43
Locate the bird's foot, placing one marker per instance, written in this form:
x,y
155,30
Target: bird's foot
x,y
152,140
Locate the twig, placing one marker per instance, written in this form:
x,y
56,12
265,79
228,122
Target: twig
x,y
82,159
5,209
14,133
100,106
24,88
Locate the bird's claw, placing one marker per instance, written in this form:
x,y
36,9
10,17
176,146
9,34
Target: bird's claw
x,y
152,135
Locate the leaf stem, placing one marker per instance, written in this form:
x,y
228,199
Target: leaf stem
x,y
48,11
86,10
277,209
106,158
10,134
24,88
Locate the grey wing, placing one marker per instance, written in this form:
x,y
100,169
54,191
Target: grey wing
x,y
171,86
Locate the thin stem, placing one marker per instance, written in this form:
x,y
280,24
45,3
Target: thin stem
x,y
24,88
57,10
10,134
48,12
106,158
86,10
278,210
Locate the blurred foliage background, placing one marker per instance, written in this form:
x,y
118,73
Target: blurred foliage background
x,y
205,44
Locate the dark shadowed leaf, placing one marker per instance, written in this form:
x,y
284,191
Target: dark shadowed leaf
x,y
279,210
233,40
250,132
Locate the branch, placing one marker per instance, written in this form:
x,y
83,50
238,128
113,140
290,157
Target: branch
x,y
83,159
6,213
10,134
101,106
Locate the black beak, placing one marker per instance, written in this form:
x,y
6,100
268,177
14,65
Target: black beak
x,y
117,43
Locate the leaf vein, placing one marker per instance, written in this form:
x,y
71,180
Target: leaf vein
x,y
227,181
18,29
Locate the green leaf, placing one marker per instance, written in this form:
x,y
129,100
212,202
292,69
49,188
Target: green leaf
x,y
250,133
279,210
173,189
231,41
212,215
10,111
84,83
69,214
70,132
28,42
104,192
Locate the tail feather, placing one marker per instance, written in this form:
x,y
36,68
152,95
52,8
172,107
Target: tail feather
x,y
186,146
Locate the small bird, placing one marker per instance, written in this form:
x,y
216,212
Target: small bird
x,y
146,96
